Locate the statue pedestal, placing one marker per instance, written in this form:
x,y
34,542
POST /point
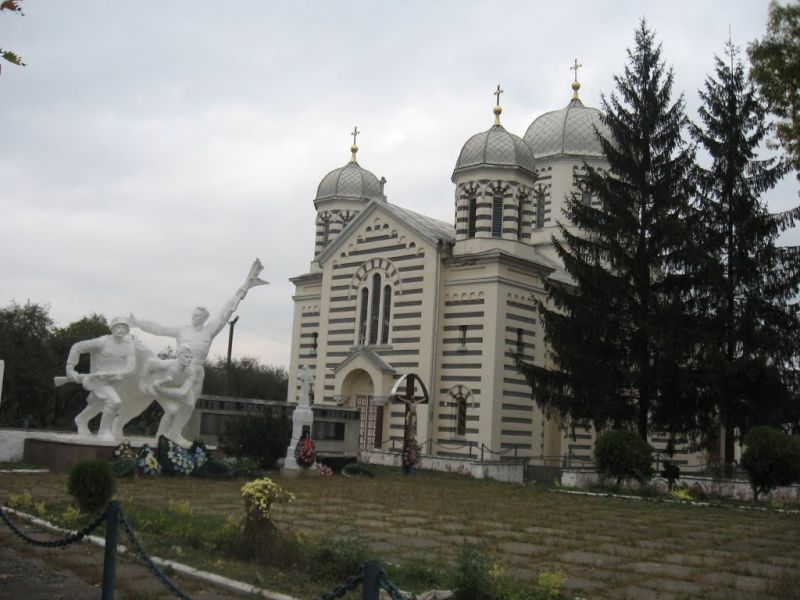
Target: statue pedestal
x,y
302,419
60,451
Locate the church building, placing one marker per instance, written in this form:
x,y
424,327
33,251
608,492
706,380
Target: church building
x,y
390,291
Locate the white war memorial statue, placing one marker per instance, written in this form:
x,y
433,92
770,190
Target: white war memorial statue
x,y
113,359
125,376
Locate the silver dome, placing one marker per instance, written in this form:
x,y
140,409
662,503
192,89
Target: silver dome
x,y
349,181
567,131
495,148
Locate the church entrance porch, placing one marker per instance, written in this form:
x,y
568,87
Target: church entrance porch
x,y
371,428
358,391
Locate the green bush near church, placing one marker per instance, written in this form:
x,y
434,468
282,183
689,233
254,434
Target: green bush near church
x,y
623,455
771,459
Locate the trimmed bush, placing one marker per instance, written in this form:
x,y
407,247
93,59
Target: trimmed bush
x,y
771,459
92,484
623,455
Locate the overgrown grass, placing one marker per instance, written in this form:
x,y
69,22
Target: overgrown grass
x,y
531,541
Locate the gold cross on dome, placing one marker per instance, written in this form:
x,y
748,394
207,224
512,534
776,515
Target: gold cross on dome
x,y
497,93
575,68
355,133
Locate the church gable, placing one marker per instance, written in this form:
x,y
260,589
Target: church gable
x,y
382,228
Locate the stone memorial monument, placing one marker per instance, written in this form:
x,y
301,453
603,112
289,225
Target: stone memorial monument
x,y
125,376
196,337
302,419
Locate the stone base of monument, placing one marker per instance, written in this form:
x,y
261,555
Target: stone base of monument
x,y
60,450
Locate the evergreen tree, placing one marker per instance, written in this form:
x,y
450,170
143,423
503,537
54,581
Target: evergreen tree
x,y
619,337
749,283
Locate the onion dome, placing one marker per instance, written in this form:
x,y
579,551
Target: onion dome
x,y
570,130
350,181
495,147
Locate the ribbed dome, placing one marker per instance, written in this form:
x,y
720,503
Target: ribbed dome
x,y
495,148
567,131
349,181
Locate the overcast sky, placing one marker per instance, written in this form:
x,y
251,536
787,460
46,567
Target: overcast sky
x,y
152,150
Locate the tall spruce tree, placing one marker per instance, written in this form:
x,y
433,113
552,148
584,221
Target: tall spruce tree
x,y
618,335
750,284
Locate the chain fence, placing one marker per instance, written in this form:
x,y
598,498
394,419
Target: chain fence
x,y
154,568
114,516
372,576
66,541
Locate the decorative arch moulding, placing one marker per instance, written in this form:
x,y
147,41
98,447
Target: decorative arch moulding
x,y
380,265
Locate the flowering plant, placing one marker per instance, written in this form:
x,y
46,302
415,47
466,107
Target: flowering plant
x,y
147,462
324,470
304,453
174,459
410,453
259,497
125,451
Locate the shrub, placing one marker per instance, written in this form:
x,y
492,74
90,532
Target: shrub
x,y
771,459
623,455
260,538
92,484
473,578
332,555
263,438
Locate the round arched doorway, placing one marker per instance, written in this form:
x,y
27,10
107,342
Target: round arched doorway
x,y
359,390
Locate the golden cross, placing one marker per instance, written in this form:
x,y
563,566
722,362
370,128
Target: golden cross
x,y
575,68
497,93
355,133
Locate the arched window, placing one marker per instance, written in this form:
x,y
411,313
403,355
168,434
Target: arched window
x,y
472,216
374,313
497,215
540,209
362,319
326,230
461,415
460,396
586,197
520,210
387,314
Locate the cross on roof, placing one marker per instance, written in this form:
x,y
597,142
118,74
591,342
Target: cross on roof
x,y
355,133
575,68
497,93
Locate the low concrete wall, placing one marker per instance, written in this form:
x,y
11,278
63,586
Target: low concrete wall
x,y
729,488
499,471
12,445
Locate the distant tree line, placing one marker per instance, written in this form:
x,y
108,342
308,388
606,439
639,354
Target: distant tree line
x,y
682,315
35,350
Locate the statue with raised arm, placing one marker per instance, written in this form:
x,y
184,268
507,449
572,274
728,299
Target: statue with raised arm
x,y
196,336
113,358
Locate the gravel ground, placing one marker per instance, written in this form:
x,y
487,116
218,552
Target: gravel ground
x,y
33,579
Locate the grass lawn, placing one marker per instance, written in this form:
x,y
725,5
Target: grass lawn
x,y
606,547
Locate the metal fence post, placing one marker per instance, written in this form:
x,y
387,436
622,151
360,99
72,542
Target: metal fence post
x,y
481,451
371,584
110,558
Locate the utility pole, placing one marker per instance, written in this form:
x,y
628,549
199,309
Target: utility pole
x,y
231,325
